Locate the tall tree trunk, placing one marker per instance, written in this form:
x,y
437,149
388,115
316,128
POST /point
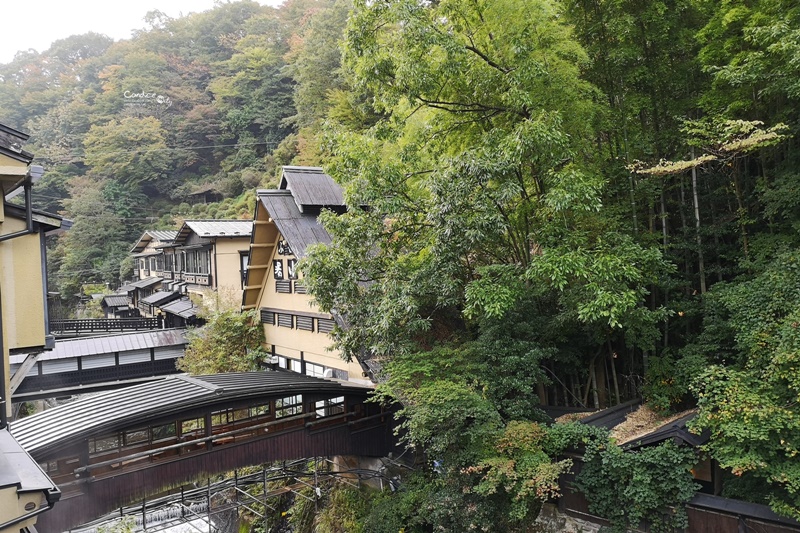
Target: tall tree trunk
x,y
633,202
611,357
742,211
665,243
700,263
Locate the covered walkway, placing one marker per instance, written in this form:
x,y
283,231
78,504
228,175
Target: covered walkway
x,y
118,447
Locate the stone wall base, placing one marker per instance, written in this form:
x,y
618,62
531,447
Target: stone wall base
x,y
550,520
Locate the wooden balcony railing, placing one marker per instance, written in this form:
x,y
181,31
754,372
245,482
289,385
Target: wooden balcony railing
x,y
90,325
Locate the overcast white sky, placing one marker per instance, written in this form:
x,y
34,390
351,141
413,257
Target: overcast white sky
x,y
37,23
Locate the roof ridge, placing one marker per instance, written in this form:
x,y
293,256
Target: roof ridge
x,y
200,383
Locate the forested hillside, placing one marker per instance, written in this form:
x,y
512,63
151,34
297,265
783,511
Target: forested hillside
x,y
570,202
138,133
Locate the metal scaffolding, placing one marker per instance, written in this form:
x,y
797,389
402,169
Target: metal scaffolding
x,y
202,507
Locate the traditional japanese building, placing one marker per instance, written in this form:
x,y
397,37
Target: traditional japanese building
x,y
148,254
213,254
285,225
25,490
202,257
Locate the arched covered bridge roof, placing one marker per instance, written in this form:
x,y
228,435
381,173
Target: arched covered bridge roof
x,y
139,404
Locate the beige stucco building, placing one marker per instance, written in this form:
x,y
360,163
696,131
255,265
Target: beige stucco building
x,y
25,490
203,258
284,225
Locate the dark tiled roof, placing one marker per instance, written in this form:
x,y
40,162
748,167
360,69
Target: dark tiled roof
x,y
136,405
115,300
183,308
311,187
613,416
124,342
299,229
159,297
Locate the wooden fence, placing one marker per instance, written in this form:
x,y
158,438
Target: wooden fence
x,y
96,325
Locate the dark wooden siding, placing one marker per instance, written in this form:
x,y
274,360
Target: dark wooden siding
x,y
106,494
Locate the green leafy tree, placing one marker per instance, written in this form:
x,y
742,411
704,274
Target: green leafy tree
x,y
748,399
230,341
628,487
131,151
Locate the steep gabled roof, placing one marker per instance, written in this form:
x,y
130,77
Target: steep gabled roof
x,y
311,188
299,229
214,229
292,210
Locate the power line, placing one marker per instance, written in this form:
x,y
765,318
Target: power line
x,y
72,157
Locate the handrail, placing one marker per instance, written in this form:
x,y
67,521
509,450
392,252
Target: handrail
x,y
328,419
352,422
146,453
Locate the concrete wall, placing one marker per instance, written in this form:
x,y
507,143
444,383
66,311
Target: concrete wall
x,y
227,266
12,506
291,342
21,287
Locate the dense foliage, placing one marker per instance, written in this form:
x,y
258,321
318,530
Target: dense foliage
x,y
229,341
552,201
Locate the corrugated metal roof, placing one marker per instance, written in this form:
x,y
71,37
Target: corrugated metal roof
x,y
158,297
183,308
219,228
161,236
146,282
109,344
115,300
299,229
310,186
137,405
